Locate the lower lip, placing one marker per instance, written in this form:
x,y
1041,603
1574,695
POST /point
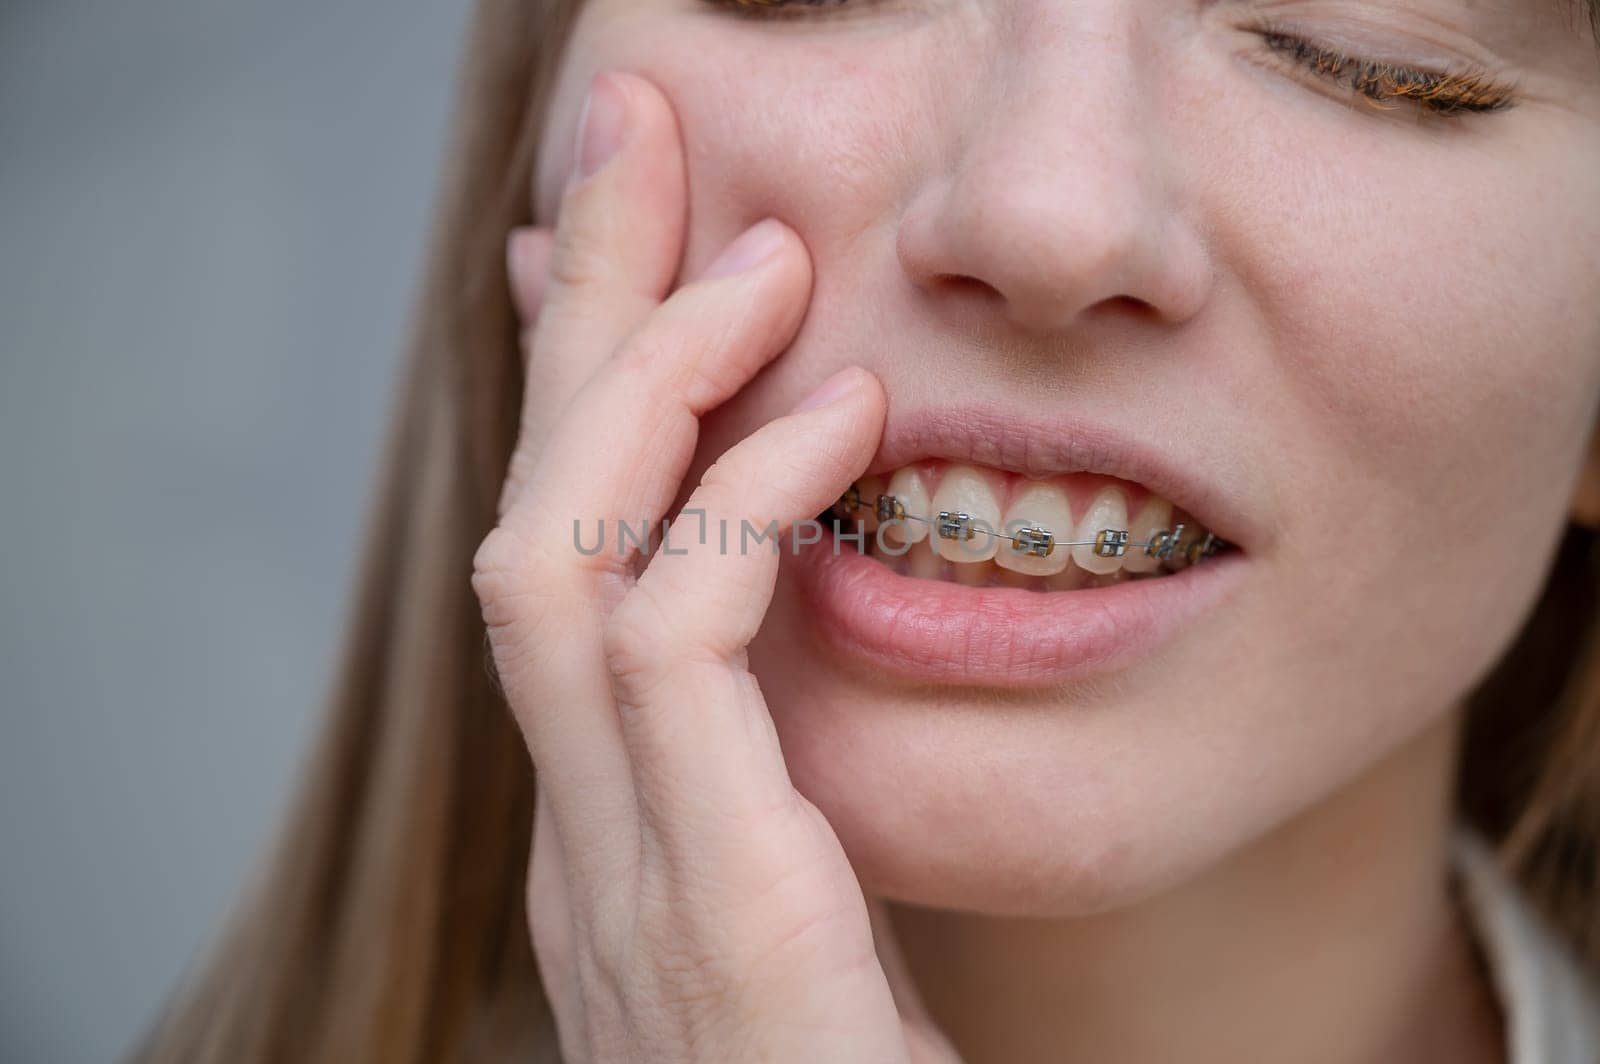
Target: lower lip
x,y
933,630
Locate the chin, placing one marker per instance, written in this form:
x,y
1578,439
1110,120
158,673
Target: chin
x,y
1012,803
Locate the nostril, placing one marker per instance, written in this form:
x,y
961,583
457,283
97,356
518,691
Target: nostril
x,y
963,281
1131,305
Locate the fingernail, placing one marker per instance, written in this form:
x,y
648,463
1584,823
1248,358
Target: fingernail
x,y
832,390
750,248
603,125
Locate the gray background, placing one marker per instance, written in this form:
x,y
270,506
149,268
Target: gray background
x,y
211,226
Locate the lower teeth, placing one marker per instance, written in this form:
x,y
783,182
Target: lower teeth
x,y
920,561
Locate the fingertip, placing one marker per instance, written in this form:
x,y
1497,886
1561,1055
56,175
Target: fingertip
x,y
750,249
840,387
851,407
528,265
604,124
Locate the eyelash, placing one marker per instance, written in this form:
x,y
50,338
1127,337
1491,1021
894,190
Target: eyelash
x,y
1448,93
767,7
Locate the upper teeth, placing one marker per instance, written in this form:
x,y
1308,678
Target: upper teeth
x,y
1153,520
1035,535
1044,508
963,502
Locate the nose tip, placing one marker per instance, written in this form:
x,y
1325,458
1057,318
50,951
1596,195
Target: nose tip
x,y
1050,254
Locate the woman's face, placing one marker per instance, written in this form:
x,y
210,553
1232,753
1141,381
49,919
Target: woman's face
x,y
1106,243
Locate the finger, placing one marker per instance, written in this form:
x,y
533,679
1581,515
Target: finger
x,y
617,242
528,270
700,738
906,996
550,922
927,1043
622,446
620,452
528,253
610,258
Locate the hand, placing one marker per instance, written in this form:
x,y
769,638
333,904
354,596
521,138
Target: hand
x,y
686,903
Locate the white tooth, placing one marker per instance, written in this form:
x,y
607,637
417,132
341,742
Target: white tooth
x,y
908,486
1036,505
965,490
1108,510
1154,516
923,563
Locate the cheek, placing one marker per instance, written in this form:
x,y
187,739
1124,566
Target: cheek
x,y
1429,349
827,134
816,132
1433,327
1425,359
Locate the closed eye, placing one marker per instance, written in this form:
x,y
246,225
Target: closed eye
x,y
777,8
1440,92
1447,93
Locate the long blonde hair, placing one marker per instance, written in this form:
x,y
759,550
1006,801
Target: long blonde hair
x,y
388,923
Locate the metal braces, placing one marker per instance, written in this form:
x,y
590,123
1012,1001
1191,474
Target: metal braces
x,y
1040,542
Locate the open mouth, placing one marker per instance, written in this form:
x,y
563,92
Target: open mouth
x,y
983,527
945,571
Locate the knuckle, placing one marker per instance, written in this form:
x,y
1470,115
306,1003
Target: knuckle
x,y
685,348
653,358
722,475
636,642
511,575
717,317
753,514
578,256
782,475
498,565
725,488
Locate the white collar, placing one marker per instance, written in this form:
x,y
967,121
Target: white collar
x,y
1550,1003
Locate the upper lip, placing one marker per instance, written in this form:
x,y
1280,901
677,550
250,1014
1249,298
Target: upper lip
x,y
1159,458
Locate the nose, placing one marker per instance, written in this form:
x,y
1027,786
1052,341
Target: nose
x,y
1060,197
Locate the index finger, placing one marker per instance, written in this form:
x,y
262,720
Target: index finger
x,y
617,244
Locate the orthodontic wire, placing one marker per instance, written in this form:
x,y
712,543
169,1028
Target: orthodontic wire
x,y
959,525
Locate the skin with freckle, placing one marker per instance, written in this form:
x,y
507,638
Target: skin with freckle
x,y
1363,324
